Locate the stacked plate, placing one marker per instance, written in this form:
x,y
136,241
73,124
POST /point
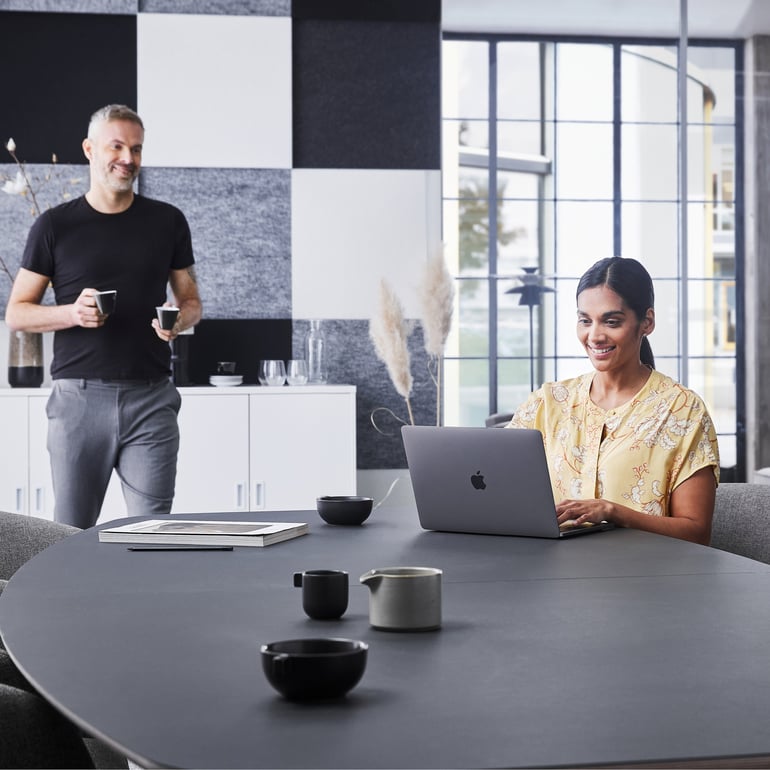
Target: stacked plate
x,y
225,380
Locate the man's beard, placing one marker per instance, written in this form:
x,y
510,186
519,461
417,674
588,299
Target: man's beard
x,y
117,184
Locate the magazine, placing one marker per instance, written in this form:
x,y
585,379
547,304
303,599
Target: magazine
x,y
197,532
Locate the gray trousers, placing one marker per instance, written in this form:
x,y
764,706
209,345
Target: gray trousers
x,y
95,426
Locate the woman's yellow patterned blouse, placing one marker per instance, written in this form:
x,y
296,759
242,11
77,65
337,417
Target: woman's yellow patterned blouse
x,y
635,455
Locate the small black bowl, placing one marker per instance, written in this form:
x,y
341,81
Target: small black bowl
x,y
310,669
344,509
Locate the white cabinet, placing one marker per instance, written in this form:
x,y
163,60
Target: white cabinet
x,y
14,452
25,475
264,449
301,448
40,482
213,464
241,449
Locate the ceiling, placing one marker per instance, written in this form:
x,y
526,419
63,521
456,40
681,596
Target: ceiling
x,y
642,18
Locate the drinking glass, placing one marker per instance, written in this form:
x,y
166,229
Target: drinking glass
x,y
272,372
297,371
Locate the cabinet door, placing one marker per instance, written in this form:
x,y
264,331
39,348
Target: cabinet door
x,y
14,478
303,445
213,464
40,481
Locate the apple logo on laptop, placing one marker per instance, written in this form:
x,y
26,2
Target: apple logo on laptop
x,y
477,479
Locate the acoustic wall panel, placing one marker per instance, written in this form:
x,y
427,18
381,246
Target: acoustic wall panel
x,y
71,6
215,91
368,10
352,227
226,7
53,185
241,233
366,94
53,80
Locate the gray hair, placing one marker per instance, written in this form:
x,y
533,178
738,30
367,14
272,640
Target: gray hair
x,y
114,112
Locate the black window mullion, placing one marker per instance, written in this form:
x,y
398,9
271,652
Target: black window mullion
x,y
617,231
492,214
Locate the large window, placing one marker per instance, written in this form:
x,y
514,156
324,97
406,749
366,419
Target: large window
x,y
557,153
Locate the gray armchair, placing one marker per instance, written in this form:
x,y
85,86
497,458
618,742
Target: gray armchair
x,y
33,733
21,537
742,520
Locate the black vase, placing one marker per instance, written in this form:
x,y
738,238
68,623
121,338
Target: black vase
x,y
25,360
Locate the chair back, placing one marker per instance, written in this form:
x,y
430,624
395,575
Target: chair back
x,y
21,537
742,520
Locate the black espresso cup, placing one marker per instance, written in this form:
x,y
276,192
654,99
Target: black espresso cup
x,y
105,301
167,316
324,592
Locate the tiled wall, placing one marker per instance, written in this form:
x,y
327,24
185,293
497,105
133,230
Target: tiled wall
x,y
301,140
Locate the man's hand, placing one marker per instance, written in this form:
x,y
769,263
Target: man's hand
x,y
85,313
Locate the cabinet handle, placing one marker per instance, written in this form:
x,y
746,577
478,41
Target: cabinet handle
x,y
20,500
39,500
240,504
259,496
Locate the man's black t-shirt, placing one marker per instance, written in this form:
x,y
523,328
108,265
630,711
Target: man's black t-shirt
x,y
133,252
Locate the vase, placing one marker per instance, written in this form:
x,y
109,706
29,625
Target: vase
x,y
25,360
316,353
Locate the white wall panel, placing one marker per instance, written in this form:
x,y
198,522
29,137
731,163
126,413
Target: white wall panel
x,y
215,91
352,227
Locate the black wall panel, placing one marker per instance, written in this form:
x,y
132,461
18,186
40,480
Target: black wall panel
x,y
58,68
366,94
368,10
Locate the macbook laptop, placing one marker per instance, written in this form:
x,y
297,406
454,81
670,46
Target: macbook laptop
x,y
491,481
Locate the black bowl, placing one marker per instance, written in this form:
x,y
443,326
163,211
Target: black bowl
x,y
344,509
310,669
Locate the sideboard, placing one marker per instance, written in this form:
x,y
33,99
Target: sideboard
x,y
248,448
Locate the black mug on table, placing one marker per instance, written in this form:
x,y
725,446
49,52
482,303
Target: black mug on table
x,y
324,592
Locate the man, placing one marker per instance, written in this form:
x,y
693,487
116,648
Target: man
x,y
112,404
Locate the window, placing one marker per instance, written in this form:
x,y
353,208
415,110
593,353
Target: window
x,y
568,151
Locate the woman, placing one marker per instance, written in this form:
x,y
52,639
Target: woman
x,y
625,443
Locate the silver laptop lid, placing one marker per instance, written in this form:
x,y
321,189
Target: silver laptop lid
x,y
481,480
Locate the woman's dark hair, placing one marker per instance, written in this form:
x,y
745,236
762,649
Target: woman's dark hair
x,y
632,283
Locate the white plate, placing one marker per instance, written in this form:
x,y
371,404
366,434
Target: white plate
x,y
225,380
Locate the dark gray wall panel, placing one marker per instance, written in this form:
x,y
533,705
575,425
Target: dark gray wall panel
x,y
352,360
366,95
60,68
64,182
241,227
71,6
221,7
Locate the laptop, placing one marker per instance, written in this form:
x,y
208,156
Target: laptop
x,y
486,481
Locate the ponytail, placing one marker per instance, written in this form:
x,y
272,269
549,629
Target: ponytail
x,y
645,354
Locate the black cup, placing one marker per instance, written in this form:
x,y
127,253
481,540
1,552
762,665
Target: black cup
x,y
324,592
167,317
105,301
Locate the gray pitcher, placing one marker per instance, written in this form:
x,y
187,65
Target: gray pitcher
x,y
404,598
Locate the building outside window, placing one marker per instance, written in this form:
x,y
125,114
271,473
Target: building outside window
x,y
567,150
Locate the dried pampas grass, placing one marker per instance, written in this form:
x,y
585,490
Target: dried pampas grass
x,y
389,333
437,300
437,293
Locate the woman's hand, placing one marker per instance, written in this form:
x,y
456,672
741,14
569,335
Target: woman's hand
x,y
582,511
